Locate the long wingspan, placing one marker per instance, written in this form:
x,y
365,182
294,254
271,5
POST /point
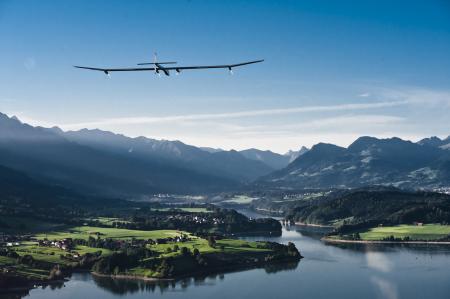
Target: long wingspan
x,y
224,66
116,70
177,68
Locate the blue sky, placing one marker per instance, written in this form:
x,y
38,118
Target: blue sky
x,y
333,70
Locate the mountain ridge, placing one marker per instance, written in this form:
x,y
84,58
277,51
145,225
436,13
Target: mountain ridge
x,y
367,161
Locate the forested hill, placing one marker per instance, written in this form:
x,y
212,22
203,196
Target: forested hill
x,y
45,155
17,188
376,206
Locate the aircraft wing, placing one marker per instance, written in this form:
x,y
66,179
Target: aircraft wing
x,y
177,68
107,70
223,66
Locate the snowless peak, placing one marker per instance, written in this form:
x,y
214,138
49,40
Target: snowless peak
x,y
15,118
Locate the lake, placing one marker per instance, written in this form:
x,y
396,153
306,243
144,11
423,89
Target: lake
x,y
327,271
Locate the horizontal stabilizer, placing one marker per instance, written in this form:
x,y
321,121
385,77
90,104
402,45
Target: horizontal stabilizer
x,y
147,63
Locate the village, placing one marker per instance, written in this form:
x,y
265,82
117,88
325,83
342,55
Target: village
x,y
13,243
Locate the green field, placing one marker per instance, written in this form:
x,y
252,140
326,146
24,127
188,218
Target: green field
x,y
425,232
225,245
240,199
229,246
83,232
53,254
24,270
108,220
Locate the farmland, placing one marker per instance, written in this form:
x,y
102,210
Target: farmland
x,y
84,232
426,232
156,253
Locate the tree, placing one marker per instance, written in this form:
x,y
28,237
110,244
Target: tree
x,y
185,251
211,241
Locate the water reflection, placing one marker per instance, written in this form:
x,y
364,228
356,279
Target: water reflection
x,y
420,248
328,271
130,286
378,261
386,288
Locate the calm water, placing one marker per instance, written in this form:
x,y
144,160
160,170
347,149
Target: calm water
x,y
325,272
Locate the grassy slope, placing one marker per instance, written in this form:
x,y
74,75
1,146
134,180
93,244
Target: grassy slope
x,y
52,254
24,270
426,232
229,245
83,232
108,220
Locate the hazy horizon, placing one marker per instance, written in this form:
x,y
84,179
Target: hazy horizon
x,y
216,147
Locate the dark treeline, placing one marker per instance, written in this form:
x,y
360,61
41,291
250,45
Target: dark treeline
x,y
368,208
224,221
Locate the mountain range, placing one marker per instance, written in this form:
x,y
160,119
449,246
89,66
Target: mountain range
x,y
367,161
436,142
103,163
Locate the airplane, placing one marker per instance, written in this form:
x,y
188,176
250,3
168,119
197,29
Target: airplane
x,y
161,67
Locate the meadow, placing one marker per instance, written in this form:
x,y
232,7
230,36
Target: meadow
x,y
56,256
425,232
52,254
84,232
240,199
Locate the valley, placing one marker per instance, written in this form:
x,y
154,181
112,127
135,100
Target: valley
x,y
160,210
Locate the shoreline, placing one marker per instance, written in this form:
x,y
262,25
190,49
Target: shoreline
x,y
32,284
332,240
225,269
125,276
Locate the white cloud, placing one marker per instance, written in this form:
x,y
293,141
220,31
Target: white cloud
x,y
232,115
425,98
387,289
378,261
364,95
279,137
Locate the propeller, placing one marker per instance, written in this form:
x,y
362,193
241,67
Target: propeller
x,y
155,56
